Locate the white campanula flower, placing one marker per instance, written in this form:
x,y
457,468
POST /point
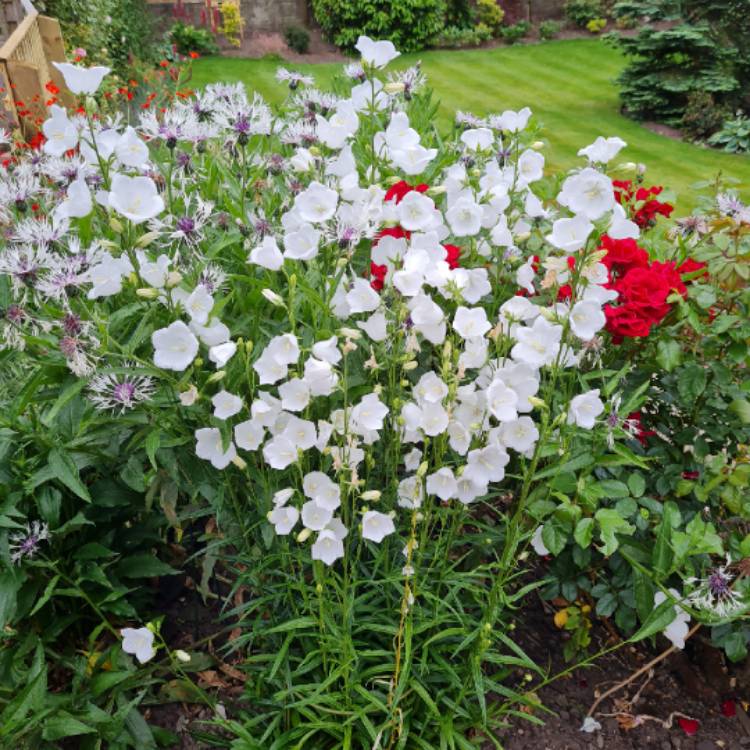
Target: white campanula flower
x,y
320,487
520,434
525,276
105,141
154,273
315,515
267,254
78,202
502,401
300,432
209,446
175,346
319,377
270,370
588,193
212,334
467,490
530,167
511,121
538,344
410,492
362,297
430,388
621,227
284,348
433,419
339,127
376,53
464,217
295,394
368,414
414,159
585,408
486,464
136,198
249,434
428,319
284,518
81,80
222,353
677,630
107,275
328,547
60,132
586,319
376,526
399,134
416,211
478,139
280,452
570,235
130,150
603,150
303,243
316,203
442,483
199,304
226,405
328,350
375,326
471,322
139,642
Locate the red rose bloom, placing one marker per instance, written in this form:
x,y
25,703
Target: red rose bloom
x,y
645,293
452,255
622,255
691,266
626,321
377,276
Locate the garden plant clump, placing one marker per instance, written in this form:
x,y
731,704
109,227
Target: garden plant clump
x,y
391,381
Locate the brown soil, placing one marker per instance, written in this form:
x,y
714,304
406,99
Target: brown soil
x,y
665,130
260,44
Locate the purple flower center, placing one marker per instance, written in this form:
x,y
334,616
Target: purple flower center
x,y
186,225
718,584
242,125
123,392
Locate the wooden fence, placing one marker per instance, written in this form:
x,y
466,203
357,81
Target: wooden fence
x,y
26,58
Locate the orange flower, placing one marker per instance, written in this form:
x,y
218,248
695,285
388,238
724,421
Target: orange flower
x,y
194,55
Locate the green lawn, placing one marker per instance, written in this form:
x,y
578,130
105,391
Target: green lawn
x,y
568,84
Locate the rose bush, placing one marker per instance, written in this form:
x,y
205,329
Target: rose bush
x,y
386,362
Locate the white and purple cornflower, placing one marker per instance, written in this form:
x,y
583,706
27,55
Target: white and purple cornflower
x,y
25,544
120,392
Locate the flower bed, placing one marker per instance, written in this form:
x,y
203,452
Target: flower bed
x,y
386,363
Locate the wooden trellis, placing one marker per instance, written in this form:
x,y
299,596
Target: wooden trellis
x,y
26,58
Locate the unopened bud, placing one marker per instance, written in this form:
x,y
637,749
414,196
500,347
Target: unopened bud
x,y
350,333
408,366
371,495
537,403
147,293
523,236
394,87
314,151
304,535
182,656
273,298
239,462
173,279
537,145
146,239
217,376
422,470
249,347
437,190
115,224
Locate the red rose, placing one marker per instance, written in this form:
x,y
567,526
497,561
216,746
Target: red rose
x,y
397,232
452,255
635,420
622,255
670,275
377,275
626,321
564,292
645,292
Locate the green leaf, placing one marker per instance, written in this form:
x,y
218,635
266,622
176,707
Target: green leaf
x,y
691,382
669,354
609,488
66,394
611,523
735,645
143,566
636,484
662,556
659,618
64,725
64,468
45,597
741,407
9,585
554,535
584,532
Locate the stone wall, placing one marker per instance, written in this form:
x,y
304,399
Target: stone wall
x,y
259,15
532,10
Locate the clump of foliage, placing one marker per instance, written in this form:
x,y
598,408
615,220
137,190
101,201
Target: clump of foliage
x,y
297,39
232,21
548,30
409,24
456,37
596,25
515,32
490,14
188,38
702,117
707,49
581,12
734,135
113,32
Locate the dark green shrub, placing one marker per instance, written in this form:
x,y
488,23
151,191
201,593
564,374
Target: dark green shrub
x,y
409,24
580,12
548,30
516,32
297,39
188,39
455,37
702,116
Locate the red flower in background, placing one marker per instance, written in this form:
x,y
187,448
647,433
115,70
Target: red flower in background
x,y
689,726
691,266
641,203
622,255
401,188
635,420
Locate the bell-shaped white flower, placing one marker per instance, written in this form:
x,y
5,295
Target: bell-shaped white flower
x,y
585,408
139,642
376,53
302,244
376,526
316,203
249,434
60,132
570,235
464,217
416,211
284,518
603,150
280,452
209,446
222,353
175,346
442,483
502,401
470,322
267,254
327,547
130,150
414,159
315,515
82,80
362,297
478,139
586,319
538,344
136,198
520,434
399,134
589,193
295,394
226,405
